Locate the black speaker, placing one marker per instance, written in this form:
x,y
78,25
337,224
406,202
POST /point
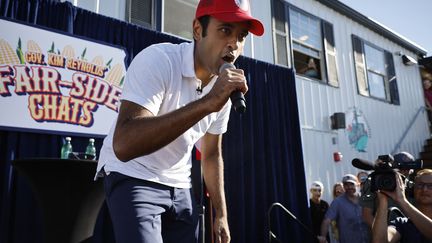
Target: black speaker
x,y
338,120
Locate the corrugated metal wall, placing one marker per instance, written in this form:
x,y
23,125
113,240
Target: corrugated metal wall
x,y
386,122
317,102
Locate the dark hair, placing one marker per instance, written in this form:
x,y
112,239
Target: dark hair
x,y
204,21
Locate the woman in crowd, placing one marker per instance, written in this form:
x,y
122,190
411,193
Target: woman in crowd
x,y
334,233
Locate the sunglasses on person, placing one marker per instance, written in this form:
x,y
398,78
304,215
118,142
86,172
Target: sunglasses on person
x,y
423,185
363,179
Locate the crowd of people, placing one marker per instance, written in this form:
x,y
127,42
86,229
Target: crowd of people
x,y
361,213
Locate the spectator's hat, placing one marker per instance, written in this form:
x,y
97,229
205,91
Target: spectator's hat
x,y
403,157
350,178
317,185
230,11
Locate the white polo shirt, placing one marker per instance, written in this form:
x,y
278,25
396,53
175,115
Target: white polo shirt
x,y
162,79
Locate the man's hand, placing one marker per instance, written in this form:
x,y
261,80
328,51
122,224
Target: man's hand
x,y
382,199
321,239
229,80
221,230
398,195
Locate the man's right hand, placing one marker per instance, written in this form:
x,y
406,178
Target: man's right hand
x,y
229,80
321,239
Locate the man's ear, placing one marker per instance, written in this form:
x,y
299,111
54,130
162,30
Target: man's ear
x,y
197,29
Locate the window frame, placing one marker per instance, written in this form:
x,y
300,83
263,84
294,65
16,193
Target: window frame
x,y
327,66
155,18
369,70
389,76
294,42
286,34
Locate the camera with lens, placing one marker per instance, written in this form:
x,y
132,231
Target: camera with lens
x,y
383,177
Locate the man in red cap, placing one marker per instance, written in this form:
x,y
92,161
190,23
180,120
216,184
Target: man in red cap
x,y
174,96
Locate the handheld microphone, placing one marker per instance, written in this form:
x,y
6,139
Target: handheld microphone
x,y
237,98
363,164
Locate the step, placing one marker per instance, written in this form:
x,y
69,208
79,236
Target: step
x,y
427,148
426,155
427,163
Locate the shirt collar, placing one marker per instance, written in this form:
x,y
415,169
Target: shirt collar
x,y
188,64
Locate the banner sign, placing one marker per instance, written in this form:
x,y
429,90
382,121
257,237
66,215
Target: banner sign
x,y
55,82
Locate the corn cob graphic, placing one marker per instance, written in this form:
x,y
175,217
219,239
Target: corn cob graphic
x,y
7,55
32,46
68,52
98,60
115,75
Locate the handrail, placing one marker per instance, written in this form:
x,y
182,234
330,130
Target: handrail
x,y
422,108
271,234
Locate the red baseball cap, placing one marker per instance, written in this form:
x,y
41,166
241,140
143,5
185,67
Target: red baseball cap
x,y
230,11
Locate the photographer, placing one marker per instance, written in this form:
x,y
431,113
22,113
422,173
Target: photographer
x,y
368,198
415,227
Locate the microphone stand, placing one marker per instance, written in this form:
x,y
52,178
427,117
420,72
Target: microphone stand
x,y
198,189
272,235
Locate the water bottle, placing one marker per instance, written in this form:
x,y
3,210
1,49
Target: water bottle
x,y
91,150
66,148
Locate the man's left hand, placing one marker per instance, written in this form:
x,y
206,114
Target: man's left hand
x,y
221,230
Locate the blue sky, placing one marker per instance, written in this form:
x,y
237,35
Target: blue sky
x,y
409,18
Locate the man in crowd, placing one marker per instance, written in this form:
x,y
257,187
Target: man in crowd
x,y
347,213
318,207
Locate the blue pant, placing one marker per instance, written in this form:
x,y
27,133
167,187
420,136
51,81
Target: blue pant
x,y
144,211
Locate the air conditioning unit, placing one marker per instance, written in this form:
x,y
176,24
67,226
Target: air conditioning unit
x,y
140,12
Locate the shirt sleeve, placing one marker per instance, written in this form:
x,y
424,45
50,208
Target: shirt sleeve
x,y
221,124
367,198
146,79
326,205
398,223
332,212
